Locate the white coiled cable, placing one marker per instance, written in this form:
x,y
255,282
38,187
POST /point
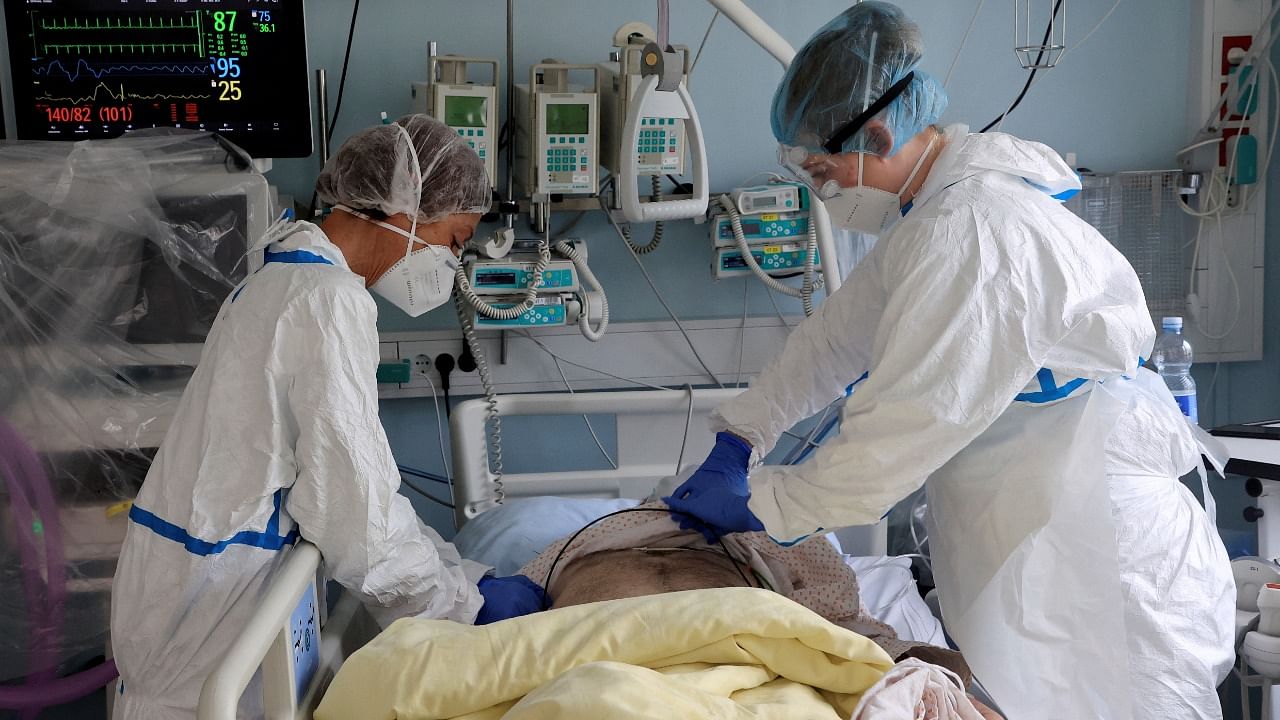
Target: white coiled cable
x,y
493,419
588,277
466,299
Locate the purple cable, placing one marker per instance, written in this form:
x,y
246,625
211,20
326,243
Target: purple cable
x,y
23,474
11,453
30,699
49,630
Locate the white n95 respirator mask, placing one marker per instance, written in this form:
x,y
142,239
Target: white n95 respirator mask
x,y
867,209
422,280
860,209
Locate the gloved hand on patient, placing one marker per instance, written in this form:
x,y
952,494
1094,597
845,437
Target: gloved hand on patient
x,y
507,597
714,500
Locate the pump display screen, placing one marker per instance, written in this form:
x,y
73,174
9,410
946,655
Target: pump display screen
x,y
464,111
749,227
85,69
496,278
566,119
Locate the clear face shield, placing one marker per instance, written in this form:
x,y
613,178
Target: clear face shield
x,y
821,169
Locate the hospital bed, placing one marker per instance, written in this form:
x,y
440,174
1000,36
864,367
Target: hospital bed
x,y
292,647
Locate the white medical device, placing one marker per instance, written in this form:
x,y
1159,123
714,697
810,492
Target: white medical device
x,y
661,145
558,132
775,224
1269,609
778,259
1259,622
1254,452
768,231
513,274
469,108
651,125
776,197
566,292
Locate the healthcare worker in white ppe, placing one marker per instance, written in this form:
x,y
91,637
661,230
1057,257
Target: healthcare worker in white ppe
x,y
277,435
999,337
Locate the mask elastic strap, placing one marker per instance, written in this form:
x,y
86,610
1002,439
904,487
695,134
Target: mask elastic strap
x,y
919,164
399,231
417,174
862,162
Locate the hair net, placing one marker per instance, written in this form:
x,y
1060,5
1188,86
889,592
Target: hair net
x,y
844,68
375,170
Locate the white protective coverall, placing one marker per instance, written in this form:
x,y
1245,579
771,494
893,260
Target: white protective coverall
x,y
277,436
1001,338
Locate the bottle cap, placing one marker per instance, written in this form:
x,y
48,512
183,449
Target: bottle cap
x,y
1171,323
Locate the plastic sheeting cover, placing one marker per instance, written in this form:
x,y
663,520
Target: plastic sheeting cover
x,y
115,256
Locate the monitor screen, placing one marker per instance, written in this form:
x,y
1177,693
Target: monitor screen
x,y
568,119
177,299
464,111
99,68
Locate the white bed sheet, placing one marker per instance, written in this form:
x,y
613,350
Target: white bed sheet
x,y
511,535
890,594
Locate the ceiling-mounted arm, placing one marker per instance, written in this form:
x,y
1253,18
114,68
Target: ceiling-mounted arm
x,y
756,29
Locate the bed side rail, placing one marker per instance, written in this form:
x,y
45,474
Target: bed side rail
x,y
283,638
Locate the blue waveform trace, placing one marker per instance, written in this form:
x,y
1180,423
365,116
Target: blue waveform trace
x,y
83,66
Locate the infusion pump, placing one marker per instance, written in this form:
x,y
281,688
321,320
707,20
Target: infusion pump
x,y
775,225
558,132
562,296
468,108
661,148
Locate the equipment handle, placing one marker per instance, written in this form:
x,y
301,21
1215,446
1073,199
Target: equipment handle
x,y
628,187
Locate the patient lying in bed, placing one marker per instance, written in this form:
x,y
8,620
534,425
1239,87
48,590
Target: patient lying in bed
x,y
644,553
653,650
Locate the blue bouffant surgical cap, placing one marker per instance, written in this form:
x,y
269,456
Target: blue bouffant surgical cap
x,y
844,69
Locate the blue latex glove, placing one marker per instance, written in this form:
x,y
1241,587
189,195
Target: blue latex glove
x,y
716,495
508,597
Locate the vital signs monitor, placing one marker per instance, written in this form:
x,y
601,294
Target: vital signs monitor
x,y
85,69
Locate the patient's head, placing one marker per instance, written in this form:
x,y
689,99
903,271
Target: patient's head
x,y
615,574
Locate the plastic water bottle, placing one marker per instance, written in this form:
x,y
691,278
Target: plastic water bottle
x,y
1172,358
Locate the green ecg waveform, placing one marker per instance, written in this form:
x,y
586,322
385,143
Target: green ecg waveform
x,y
142,23
61,35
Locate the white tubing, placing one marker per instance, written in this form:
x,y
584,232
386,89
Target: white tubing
x,y
821,220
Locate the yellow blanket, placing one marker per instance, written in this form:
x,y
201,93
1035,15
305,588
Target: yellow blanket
x,y
723,653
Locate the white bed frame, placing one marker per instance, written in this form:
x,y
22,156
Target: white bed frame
x,y
650,430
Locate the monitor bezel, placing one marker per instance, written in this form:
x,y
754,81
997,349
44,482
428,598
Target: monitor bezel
x,y
257,146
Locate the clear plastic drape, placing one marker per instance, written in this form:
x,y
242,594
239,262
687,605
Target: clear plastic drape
x,y
115,256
